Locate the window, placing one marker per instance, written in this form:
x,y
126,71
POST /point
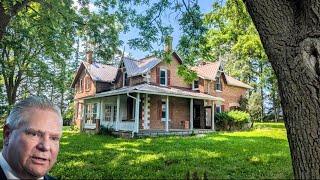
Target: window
x,y
81,85
87,84
91,113
125,79
218,109
163,77
208,87
195,85
218,84
163,110
110,112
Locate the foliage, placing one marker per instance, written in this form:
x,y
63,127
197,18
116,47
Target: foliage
x,y
239,116
233,36
262,153
253,108
232,120
243,103
68,115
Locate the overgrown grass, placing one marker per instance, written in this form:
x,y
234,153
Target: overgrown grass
x,y
260,153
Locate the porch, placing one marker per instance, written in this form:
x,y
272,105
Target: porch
x,y
144,112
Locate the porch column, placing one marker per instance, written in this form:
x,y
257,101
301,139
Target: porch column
x,y
191,114
136,115
118,113
212,115
167,114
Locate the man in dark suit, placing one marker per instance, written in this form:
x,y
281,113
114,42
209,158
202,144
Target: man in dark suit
x,y
31,140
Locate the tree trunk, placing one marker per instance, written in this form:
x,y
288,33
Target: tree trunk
x,y
7,14
289,31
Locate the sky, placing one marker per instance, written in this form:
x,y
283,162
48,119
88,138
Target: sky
x,y
205,7
169,18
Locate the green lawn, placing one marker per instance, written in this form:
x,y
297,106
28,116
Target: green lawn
x,y
260,153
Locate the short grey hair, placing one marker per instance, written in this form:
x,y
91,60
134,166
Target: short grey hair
x,y
16,116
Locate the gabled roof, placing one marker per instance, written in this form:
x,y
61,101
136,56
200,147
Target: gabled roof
x,y
158,90
234,82
138,67
98,72
208,70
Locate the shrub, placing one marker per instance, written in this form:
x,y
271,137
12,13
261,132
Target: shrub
x,y
239,116
231,120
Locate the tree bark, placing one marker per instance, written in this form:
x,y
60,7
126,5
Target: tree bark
x,y
289,31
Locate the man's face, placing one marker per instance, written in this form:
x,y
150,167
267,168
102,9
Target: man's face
x,y
33,147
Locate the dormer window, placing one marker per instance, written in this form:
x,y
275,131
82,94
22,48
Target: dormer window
x,y
81,86
217,85
125,79
195,84
163,77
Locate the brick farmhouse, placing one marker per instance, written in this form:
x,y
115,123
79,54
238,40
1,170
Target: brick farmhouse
x,y
149,95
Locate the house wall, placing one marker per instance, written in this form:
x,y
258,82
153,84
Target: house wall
x,y
136,80
231,94
175,79
84,92
179,112
103,86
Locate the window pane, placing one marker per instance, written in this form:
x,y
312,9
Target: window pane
x,y
163,77
164,107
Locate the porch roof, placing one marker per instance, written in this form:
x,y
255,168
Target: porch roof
x,y
158,90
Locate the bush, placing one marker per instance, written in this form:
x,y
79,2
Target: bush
x,y
232,120
239,116
105,130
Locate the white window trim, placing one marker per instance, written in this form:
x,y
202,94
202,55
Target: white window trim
x,y
219,80
124,78
166,77
193,88
80,85
164,119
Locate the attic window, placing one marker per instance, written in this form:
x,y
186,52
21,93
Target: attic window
x,y
125,79
218,86
81,86
195,84
87,84
163,77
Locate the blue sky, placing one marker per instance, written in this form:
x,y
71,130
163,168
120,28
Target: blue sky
x,y
205,6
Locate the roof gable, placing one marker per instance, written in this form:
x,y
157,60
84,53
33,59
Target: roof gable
x,y
97,72
207,71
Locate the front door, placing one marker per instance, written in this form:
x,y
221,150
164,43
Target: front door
x,y
196,116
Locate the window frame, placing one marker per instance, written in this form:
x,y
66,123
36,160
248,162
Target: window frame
x,y
165,77
218,84
193,85
81,85
219,107
87,84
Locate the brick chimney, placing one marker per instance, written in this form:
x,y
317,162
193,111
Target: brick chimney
x,y
89,55
168,43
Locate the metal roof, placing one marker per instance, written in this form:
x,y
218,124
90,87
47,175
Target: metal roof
x,y
101,72
138,67
158,90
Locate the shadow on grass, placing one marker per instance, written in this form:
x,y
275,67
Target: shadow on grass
x,y
219,155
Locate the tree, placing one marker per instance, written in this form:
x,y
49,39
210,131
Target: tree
x,y
289,31
233,36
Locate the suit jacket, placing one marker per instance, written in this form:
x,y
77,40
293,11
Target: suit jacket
x,y
3,176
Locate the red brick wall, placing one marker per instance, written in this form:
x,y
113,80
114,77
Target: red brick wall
x,y
231,94
178,111
175,79
85,93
